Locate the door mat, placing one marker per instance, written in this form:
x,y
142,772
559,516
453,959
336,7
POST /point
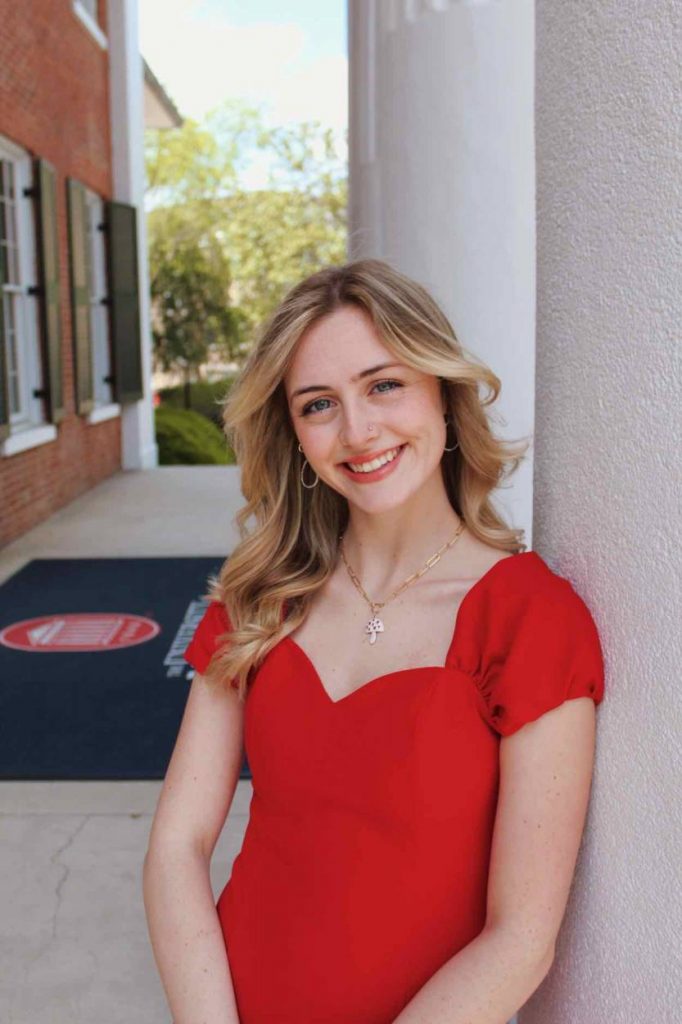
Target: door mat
x,y
93,684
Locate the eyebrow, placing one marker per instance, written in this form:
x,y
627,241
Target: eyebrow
x,y
358,376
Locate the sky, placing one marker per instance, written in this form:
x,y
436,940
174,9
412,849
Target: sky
x,y
287,56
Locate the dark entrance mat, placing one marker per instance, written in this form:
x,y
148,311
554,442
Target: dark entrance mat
x,y
92,680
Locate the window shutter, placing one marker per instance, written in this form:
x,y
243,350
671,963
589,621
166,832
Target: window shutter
x,y
125,300
4,390
79,265
46,194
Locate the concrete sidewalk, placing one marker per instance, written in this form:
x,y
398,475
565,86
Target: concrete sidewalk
x,y
74,946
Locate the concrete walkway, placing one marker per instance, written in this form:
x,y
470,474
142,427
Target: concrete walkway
x,y
74,946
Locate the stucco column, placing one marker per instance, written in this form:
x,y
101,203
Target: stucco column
x,y
608,475
442,179
139,449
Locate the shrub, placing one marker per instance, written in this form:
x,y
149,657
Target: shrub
x,y
205,397
186,438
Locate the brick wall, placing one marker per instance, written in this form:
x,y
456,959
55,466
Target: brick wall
x,y
54,101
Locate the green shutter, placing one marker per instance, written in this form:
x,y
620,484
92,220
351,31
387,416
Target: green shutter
x,y
124,300
79,266
4,390
48,244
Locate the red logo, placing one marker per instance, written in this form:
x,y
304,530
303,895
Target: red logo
x,y
82,631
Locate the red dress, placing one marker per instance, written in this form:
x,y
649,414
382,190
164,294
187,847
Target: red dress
x,y
365,860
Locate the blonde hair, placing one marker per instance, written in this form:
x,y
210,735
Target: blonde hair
x,y
292,548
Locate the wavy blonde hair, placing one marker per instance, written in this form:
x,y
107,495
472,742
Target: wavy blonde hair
x,y
292,547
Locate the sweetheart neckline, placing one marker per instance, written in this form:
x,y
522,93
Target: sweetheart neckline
x,y
404,671
364,686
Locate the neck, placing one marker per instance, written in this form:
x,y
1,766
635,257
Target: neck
x,y
385,547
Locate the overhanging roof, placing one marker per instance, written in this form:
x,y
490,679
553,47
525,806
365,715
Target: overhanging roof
x,y
159,109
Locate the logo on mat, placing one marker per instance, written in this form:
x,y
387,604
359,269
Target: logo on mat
x,y
81,631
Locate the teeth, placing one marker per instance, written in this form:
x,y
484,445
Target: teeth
x,y
368,467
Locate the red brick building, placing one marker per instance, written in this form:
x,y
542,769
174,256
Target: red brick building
x,y
75,402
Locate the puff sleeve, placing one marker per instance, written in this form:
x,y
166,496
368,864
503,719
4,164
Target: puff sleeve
x,y
544,649
207,636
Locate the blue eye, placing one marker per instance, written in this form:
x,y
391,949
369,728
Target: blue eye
x,y
311,407
394,382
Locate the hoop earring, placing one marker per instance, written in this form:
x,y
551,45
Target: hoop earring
x,y
308,487
456,444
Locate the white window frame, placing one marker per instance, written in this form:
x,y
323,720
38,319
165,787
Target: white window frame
x,y
100,333
86,17
29,364
26,439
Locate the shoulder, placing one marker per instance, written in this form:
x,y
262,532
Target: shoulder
x,y
212,626
214,621
515,587
528,639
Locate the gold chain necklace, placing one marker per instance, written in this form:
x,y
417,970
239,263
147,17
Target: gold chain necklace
x,y
375,625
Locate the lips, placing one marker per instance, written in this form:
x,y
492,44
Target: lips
x,y
365,460
367,475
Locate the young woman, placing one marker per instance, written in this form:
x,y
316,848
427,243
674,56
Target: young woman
x,y
415,691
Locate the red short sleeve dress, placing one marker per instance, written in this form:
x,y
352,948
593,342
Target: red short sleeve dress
x,y
365,859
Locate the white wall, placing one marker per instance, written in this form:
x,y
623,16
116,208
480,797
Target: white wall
x,y
126,104
608,471
442,179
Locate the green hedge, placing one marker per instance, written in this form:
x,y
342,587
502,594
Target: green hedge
x,y
186,438
204,398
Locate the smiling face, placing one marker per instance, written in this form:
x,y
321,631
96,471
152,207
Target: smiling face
x,y
341,380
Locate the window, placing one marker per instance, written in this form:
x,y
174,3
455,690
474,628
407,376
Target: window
x,y
19,333
99,316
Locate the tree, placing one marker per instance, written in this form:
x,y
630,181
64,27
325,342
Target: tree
x,y
277,235
216,245
190,281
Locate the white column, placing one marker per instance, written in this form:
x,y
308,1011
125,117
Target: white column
x,y
608,475
442,179
127,131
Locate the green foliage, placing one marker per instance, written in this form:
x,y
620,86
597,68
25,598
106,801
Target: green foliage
x,y
205,398
201,162
222,255
190,280
185,437
276,239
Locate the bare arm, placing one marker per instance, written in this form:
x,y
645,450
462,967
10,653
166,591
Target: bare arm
x,y
187,939
545,779
195,799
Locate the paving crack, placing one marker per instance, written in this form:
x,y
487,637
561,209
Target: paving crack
x,y
54,859
66,870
